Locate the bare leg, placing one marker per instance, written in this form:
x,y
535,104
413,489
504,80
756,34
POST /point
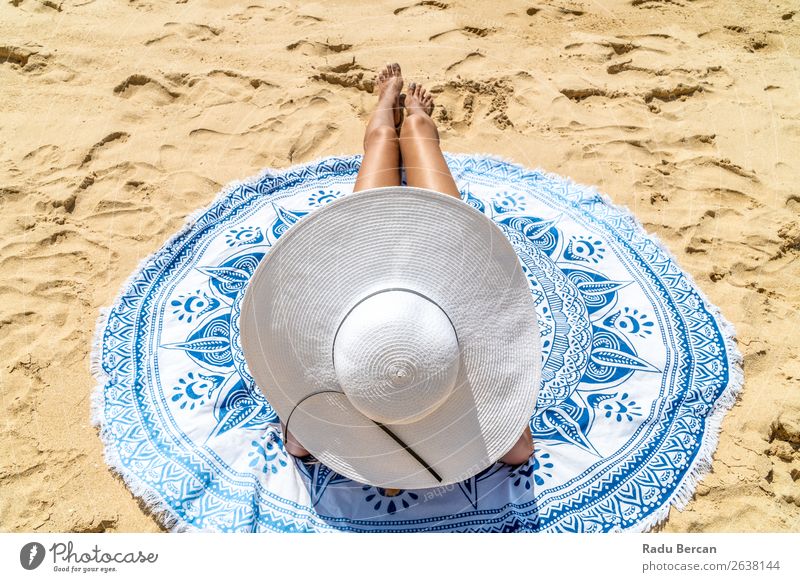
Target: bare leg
x,y
426,168
419,148
291,445
379,167
521,451
419,145
381,163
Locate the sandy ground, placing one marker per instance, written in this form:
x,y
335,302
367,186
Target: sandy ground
x,y
119,118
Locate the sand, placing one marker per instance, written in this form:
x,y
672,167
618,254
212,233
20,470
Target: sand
x,y
121,118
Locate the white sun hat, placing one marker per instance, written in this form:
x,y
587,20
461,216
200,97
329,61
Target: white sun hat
x,y
394,331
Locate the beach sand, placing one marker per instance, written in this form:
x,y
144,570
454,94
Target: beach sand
x,y
121,118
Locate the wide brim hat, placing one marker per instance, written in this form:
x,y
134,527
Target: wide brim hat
x,y
394,331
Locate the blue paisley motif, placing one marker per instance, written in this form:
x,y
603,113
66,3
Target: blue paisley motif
x,y
230,277
242,407
541,233
286,218
476,203
613,359
598,291
210,344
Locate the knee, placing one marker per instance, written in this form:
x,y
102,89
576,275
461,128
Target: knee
x,y
521,452
417,124
380,133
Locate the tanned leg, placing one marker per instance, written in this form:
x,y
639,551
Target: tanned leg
x,y
291,445
521,451
419,145
426,168
381,164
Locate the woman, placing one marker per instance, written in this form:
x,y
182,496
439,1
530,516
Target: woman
x,y
390,143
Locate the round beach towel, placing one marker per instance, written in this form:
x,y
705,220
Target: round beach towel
x,y
638,371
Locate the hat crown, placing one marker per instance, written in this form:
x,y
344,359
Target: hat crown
x,y
396,356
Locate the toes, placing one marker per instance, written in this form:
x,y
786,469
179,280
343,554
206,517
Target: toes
x,y
395,68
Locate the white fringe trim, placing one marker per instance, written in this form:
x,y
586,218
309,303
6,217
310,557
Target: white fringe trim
x,y
680,497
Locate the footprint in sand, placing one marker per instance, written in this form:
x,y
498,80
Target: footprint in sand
x,y
146,89
317,49
751,41
103,145
784,444
32,60
420,8
469,66
14,55
187,31
220,86
556,11
462,103
463,32
41,5
348,74
247,13
652,68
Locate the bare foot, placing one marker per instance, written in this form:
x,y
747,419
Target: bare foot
x,y
389,84
418,100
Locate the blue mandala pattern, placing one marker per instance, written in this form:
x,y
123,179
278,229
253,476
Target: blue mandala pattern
x,y
635,362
